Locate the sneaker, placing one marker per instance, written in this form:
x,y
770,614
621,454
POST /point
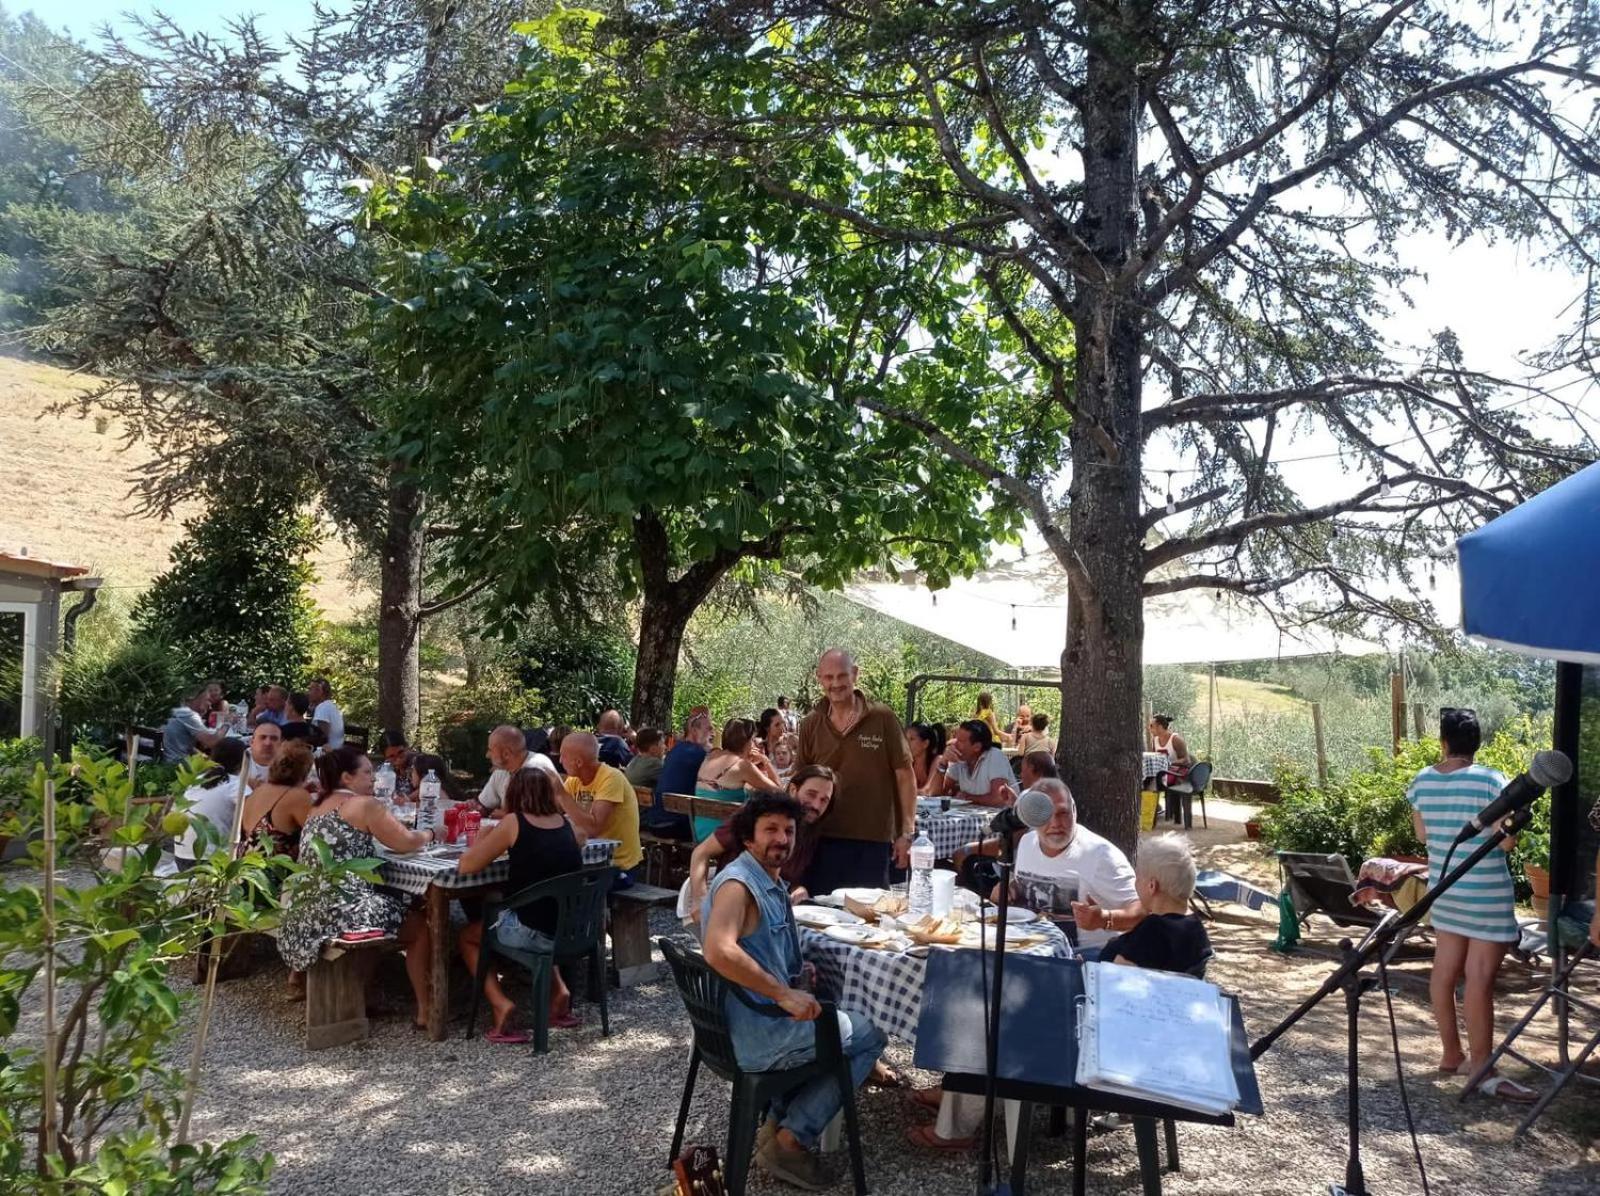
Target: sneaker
x,y
798,1168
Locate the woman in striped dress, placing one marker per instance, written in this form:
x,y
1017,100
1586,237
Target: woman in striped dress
x,y
1474,921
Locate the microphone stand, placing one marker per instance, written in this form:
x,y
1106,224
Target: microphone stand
x,y
1347,978
987,1186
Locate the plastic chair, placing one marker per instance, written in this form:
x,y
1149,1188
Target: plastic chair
x,y
580,899
1190,787
703,992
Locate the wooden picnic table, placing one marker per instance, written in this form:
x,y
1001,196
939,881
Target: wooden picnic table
x,y
434,877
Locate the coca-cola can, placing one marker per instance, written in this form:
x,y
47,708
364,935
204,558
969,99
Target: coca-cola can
x,y
469,826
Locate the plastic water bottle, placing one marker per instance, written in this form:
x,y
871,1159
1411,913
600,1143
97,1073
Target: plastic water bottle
x,y
383,785
920,894
428,801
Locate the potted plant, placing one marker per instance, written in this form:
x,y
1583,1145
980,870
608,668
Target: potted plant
x,y
1533,851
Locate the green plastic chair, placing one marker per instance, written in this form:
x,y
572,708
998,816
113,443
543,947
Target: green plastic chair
x,y
703,992
580,899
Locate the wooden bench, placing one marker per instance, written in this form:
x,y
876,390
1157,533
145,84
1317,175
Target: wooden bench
x,y
630,931
336,992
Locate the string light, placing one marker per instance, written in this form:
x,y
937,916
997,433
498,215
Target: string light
x,y
1013,617
1383,485
1172,507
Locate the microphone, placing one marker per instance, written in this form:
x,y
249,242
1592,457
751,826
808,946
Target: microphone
x,y
1547,769
1032,810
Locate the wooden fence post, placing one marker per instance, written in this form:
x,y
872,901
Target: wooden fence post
x,y
1322,748
1419,720
1211,711
1397,709
48,1111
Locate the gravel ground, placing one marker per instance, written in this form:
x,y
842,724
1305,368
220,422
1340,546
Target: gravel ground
x,y
398,1114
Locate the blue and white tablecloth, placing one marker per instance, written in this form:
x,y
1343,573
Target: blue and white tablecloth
x,y
1156,763
886,986
414,873
954,829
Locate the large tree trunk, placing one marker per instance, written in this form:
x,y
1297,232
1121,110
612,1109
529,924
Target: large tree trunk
x,y
1102,663
669,603
399,609
663,618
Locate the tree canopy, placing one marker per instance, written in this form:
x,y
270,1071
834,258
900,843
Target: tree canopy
x,y
614,349
1211,199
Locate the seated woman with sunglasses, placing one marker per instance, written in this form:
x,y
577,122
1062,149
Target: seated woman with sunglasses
x,y
541,843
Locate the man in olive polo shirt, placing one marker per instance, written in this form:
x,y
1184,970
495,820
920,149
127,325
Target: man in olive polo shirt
x,y
875,803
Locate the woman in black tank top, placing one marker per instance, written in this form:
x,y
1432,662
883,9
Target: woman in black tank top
x,y
540,843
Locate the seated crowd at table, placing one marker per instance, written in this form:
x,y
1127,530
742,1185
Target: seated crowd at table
x,y
814,805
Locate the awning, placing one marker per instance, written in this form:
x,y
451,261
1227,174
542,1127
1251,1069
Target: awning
x,y
1528,577
1016,612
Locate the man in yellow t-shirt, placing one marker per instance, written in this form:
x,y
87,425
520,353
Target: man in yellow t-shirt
x,y
599,800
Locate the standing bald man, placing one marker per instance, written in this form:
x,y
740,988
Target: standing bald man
x,y
875,804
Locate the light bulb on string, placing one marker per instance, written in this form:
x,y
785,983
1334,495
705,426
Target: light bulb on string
x,y
1383,486
1172,507
1013,618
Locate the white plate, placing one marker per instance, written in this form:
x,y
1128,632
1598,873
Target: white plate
x,y
1014,915
858,935
820,918
831,900
859,896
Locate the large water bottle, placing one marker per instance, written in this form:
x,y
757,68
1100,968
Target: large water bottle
x,y
383,785
920,894
428,802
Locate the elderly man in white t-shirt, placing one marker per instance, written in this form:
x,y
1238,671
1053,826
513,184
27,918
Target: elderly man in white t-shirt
x,y
1064,871
975,769
1067,872
508,751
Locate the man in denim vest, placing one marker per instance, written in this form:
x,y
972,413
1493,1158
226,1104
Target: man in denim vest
x,y
751,941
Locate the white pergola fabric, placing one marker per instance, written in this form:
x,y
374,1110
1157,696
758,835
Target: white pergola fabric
x,y
1016,612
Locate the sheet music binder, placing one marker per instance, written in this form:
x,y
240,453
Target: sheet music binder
x,y
1157,1036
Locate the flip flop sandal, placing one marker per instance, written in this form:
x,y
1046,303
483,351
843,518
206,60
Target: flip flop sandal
x,y
926,1098
1506,1089
508,1037
567,1021
1464,1068
925,1137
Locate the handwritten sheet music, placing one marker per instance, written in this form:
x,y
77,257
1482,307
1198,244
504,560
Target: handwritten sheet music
x,y
1157,1035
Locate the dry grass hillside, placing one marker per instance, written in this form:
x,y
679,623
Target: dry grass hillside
x,y
64,492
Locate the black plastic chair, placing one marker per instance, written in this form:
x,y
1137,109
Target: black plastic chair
x,y
580,899
1190,787
703,992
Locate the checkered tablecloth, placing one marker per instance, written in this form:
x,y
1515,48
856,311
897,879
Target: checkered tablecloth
x,y
414,873
952,830
1156,763
884,985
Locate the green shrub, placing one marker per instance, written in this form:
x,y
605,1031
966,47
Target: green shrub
x,y
1170,689
237,600
1365,813
106,687
120,1082
577,672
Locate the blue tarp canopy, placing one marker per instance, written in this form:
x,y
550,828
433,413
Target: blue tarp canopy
x,y
1530,579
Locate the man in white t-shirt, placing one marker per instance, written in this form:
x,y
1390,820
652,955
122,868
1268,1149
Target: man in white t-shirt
x,y
325,715
975,769
508,751
1069,873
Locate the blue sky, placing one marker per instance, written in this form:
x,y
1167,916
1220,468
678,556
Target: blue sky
x,y
210,16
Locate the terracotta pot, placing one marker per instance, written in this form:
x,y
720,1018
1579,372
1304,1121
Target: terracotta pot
x,y
1252,830
1539,878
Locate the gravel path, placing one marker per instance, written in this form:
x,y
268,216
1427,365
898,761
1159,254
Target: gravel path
x,y
398,1115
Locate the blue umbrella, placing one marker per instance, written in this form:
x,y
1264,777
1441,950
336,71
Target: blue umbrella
x,y
1528,577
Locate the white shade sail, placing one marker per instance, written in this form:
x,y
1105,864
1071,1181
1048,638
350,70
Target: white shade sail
x,y
1016,612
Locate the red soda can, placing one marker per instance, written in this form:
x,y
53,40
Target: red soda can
x,y
469,826
452,823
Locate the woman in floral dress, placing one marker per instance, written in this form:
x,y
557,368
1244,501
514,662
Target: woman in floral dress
x,y
319,908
